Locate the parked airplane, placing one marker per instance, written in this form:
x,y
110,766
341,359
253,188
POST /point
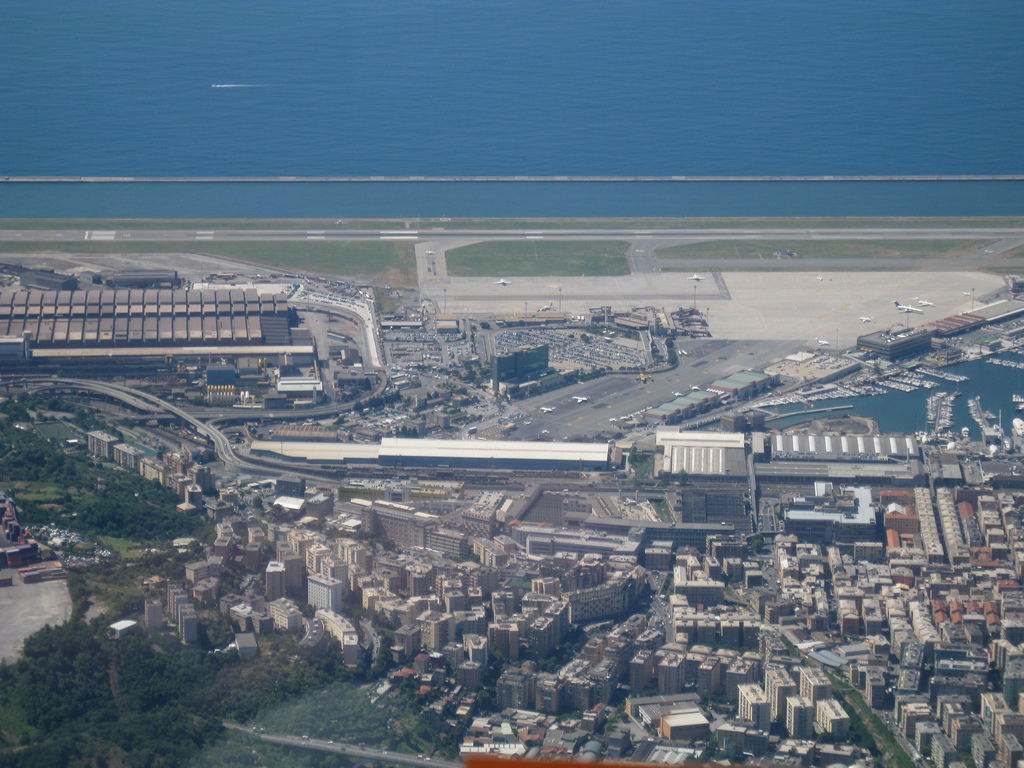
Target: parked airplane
x,y
546,308
925,303
966,293
580,398
866,319
695,388
696,278
503,281
682,352
907,308
823,343
546,410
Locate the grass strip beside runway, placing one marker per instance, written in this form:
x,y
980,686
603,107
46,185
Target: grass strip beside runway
x,y
338,258
820,249
537,258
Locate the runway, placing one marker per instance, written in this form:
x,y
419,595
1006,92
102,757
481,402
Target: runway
x,y
669,236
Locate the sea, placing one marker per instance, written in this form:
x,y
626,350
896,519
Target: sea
x,y
457,88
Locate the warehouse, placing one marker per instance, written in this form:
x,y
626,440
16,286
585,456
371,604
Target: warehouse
x,y
743,385
720,455
683,407
844,447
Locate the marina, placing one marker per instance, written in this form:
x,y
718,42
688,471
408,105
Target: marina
x,y
909,399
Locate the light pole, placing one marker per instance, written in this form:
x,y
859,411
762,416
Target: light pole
x,y
559,299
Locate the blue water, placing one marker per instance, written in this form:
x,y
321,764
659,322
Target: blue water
x,y
496,199
469,87
906,412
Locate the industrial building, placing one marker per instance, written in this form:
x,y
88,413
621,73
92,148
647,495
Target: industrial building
x,y
720,455
743,385
48,280
812,447
683,407
893,459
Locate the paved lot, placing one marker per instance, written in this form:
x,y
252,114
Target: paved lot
x,y
794,306
802,306
618,395
27,608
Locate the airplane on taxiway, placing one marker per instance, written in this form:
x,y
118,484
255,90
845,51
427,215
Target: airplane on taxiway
x,y
823,343
696,278
580,398
907,308
866,319
924,303
503,281
546,410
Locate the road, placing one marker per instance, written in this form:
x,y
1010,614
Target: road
x,y
221,445
367,627
366,753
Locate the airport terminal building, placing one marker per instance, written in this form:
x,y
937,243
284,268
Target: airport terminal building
x,y
467,454
69,324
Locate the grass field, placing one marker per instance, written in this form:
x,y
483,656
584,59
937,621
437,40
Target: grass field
x,y
506,258
55,431
558,223
389,261
128,550
821,249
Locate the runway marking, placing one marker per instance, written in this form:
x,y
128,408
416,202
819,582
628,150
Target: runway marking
x,y
315,237
204,232
398,237
398,232
535,237
100,235
204,237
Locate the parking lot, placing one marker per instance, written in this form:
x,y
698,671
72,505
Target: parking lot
x,y
27,608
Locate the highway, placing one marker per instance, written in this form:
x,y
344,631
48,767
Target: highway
x,y
365,753
143,401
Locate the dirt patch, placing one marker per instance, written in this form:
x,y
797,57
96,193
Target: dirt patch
x,y
96,608
845,424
